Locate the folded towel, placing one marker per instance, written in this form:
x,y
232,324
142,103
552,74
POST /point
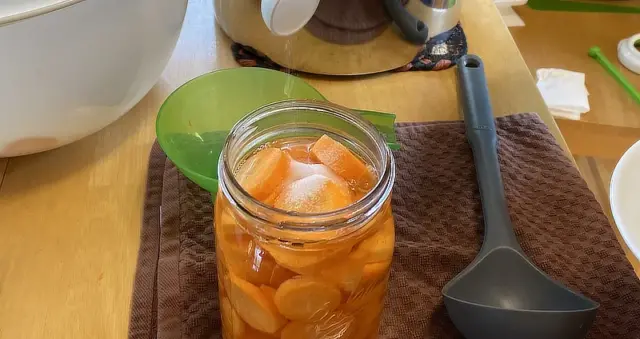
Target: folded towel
x,y
436,205
564,92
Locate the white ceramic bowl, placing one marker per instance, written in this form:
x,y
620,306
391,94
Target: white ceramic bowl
x,y
68,68
625,197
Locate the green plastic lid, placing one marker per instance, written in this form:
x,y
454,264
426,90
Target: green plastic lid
x,y
194,121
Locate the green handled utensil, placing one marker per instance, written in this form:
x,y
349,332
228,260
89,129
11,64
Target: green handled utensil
x,y
597,54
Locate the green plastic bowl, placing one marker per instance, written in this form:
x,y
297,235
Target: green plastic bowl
x,y
194,121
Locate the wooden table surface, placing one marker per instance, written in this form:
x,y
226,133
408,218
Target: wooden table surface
x,y
70,218
562,40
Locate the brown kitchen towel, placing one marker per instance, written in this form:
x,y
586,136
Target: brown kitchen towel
x,y
439,231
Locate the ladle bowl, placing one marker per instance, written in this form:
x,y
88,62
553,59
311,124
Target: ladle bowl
x,y
502,294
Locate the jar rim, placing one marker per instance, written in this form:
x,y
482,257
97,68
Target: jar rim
x,y
362,210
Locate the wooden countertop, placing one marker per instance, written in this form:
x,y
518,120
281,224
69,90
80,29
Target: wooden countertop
x,y
70,218
562,40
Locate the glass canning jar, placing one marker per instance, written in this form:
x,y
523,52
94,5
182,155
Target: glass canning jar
x,y
295,275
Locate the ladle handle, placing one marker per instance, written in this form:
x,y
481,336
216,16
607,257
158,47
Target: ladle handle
x,y
481,134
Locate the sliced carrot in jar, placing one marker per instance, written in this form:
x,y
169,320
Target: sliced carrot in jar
x,y
224,281
379,246
258,265
253,306
268,291
301,261
261,268
279,275
374,272
221,289
271,199
345,273
252,333
234,247
314,194
263,172
365,296
246,258
334,326
231,320
341,160
299,153
374,333
305,298
372,287
230,233
367,322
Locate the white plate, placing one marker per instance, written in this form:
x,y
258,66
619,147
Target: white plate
x,y
625,197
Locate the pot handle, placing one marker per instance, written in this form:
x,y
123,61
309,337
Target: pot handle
x,y
413,29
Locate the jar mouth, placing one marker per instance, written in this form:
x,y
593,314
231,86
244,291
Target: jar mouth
x,y
308,116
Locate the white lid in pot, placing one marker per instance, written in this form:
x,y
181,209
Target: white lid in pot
x,y
14,10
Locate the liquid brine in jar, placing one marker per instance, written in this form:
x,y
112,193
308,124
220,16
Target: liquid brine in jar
x,y
303,225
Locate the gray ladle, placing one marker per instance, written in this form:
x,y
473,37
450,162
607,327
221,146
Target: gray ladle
x,y
501,294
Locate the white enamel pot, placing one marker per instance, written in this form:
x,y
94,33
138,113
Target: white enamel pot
x,y
68,68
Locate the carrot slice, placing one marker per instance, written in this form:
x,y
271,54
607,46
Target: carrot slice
x,y
246,258
231,320
252,333
263,172
372,287
371,290
300,261
259,265
345,273
279,275
253,306
334,326
367,322
305,298
230,232
375,271
221,289
366,296
314,194
299,153
379,246
233,246
341,160
261,268
269,291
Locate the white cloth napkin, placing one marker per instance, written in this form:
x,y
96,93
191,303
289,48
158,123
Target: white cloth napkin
x,y
564,92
